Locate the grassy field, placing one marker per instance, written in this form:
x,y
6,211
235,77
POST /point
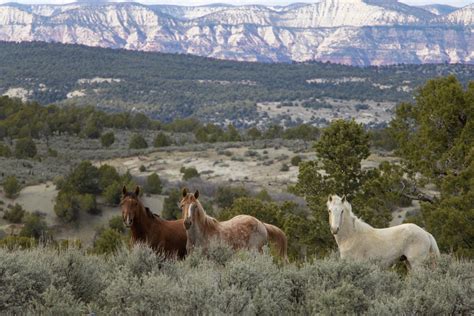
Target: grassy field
x,y
138,282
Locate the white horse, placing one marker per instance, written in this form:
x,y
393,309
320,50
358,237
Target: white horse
x,y
360,241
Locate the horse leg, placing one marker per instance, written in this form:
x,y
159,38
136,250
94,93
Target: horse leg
x,y
415,257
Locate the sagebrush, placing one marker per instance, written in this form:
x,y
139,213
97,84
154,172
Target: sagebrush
x,y
137,281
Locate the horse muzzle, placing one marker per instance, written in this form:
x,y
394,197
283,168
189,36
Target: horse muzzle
x,y
187,223
334,231
128,223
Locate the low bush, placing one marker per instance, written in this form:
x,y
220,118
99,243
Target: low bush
x,y
11,186
137,281
107,139
284,167
14,214
137,141
189,173
295,161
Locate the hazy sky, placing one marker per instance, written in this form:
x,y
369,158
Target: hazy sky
x,y
458,3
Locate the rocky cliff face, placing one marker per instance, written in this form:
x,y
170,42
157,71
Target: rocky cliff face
x,y
357,32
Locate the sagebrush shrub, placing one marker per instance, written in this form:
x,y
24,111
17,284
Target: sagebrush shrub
x,y
217,281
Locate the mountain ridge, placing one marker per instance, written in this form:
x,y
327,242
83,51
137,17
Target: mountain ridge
x,y
340,31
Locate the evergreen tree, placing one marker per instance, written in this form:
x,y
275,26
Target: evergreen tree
x,y
25,148
107,139
11,186
137,142
153,184
435,137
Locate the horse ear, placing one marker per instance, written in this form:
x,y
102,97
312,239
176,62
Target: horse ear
x,y
330,198
185,192
137,190
124,190
196,194
344,199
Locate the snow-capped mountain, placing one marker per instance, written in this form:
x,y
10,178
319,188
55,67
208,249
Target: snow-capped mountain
x,y
359,32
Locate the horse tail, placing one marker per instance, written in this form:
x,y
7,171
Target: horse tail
x,y
278,238
434,250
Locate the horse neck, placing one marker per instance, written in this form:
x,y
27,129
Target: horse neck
x,y
207,225
351,226
142,225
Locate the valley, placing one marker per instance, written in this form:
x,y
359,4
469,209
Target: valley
x,y
167,87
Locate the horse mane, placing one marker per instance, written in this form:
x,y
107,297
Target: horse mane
x,y
357,223
147,210
150,213
206,220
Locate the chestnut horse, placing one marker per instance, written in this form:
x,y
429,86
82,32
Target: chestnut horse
x,y
166,237
240,232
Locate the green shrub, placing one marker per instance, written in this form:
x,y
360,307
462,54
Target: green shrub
x,y
113,193
161,140
11,186
137,141
52,152
107,139
5,151
153,184
25,148
69,205
295,161
34,227
116,223
170,205
14,214
190,173
225,195
66,206
84,178
263,195
87,203
108,241
107,176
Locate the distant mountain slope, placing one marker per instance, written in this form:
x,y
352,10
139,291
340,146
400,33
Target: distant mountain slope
x,y
356,32
439,9
168,86
463,16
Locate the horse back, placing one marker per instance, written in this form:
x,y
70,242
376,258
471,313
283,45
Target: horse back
x,y
244,231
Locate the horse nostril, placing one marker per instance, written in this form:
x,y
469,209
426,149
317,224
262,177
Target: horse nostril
x,y
187,224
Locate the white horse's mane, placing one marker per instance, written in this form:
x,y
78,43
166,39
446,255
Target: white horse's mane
x,y
357,223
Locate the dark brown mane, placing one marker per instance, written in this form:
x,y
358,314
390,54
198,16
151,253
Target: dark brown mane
x,y
150,213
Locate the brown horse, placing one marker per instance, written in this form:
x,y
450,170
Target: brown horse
x,y
240,232
166,237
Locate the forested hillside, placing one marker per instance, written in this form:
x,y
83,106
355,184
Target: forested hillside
x,y
168,86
